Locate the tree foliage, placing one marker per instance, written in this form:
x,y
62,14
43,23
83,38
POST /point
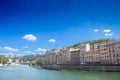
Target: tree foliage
x,y
40,62
3,60
54,49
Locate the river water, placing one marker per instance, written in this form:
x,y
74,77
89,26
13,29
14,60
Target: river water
x,y
24,72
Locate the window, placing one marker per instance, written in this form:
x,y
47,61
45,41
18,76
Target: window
x,y
119,43
118,46
113,51
117,55
117,60
110,55
109,51
113,55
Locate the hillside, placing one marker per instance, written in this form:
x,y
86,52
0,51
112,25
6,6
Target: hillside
x,y
77,45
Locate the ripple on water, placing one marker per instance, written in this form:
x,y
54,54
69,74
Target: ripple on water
x,y
24,72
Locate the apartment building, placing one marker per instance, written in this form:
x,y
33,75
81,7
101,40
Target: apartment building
x,y
75,57
106,52
47,57
114,52
59,58
92,57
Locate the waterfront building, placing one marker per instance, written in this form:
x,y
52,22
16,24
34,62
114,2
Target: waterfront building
x,y
51,57
47,57
114,52
75,57
10,60
90,53
59,58
104,52
64,56
83,49
92,57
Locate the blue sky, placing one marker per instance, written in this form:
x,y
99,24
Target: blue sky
x,y
34,26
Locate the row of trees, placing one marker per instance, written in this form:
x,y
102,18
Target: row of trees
x,y
3,59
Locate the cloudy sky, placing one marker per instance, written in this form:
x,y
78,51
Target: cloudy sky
x,y
34,26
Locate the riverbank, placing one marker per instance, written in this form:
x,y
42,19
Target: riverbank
x,y
4,65
14,64
8,64
1,64
86,68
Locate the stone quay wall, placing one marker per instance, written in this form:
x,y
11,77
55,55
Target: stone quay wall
x,y
103,68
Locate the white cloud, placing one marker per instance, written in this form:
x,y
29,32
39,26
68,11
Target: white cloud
x,y
0,47
27,52
52,40
30,37
96,30
7,53
41,50
107,30
25,47
108,34
7,48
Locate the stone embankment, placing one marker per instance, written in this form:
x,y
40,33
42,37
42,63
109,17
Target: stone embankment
x,y
104,68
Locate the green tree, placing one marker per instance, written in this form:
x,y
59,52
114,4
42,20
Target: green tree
x,y
54,49
40,62
3,60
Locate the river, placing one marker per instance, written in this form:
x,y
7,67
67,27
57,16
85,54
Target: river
x,y
24,72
